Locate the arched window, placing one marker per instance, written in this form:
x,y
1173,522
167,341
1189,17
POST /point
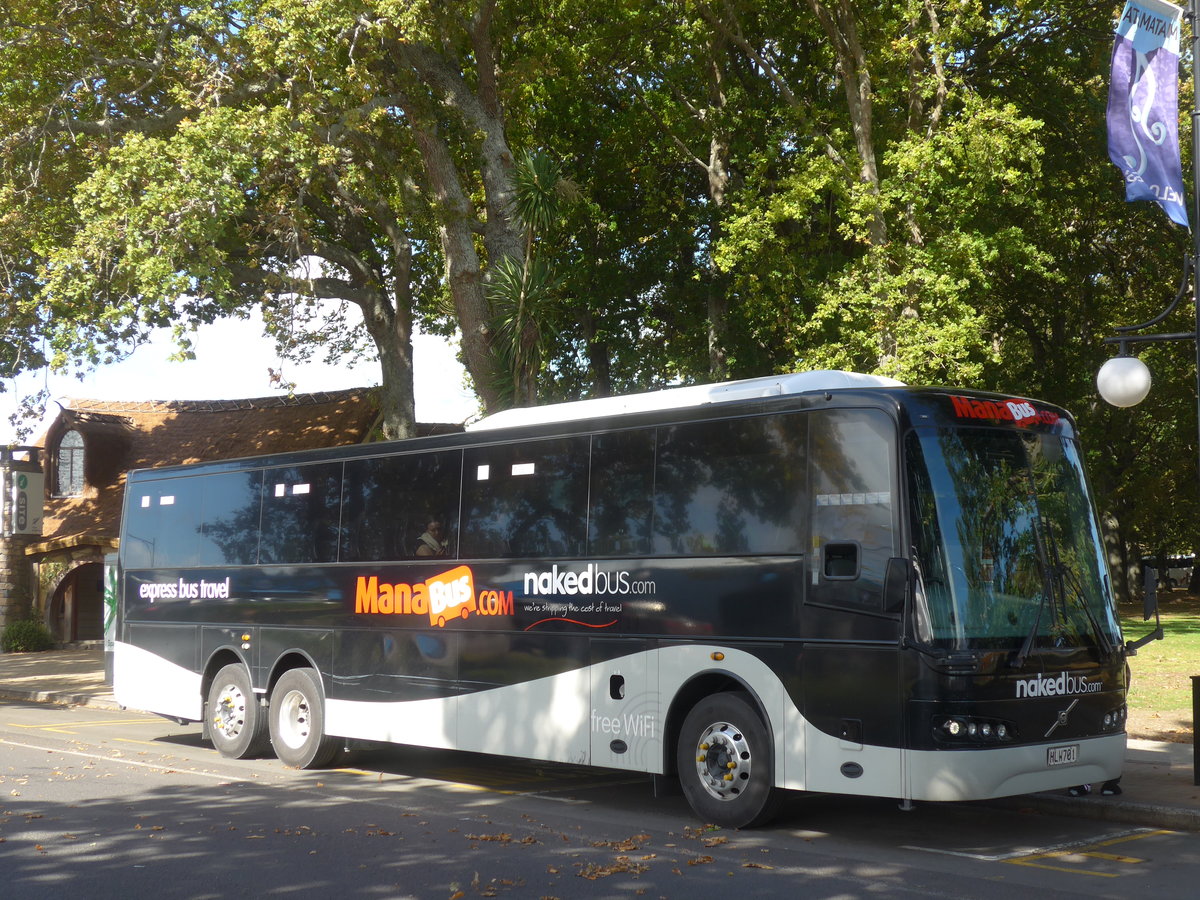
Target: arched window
x,y
70,465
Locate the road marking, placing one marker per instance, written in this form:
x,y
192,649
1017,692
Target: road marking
x,y
67,729
1087,851
1031,852
468,780
118,759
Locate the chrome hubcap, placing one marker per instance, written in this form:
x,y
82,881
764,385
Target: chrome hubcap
x,y
229,716
723,761
294,719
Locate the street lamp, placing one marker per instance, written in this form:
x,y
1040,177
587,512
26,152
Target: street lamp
x,y
1124,380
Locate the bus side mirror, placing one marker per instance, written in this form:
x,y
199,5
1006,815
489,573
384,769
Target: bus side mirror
x,y
896,579
1149,608
1149,592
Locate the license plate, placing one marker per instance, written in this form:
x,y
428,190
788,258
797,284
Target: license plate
x,y
1062,756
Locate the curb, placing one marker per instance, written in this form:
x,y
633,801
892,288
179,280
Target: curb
x,y
61,698
1105,809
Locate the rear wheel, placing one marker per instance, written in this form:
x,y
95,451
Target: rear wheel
x,y
726,764
236,723
298,721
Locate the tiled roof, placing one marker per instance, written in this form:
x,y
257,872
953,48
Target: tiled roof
x,y
121,435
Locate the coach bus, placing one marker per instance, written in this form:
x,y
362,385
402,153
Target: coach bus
x,y
821,581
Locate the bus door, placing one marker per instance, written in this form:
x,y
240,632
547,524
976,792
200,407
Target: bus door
x,y
625,720
850,664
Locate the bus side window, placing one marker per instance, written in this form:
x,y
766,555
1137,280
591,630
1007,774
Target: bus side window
x,y
525,500
622,487
163,524
231,512
301,514
852,454
388,503
731,487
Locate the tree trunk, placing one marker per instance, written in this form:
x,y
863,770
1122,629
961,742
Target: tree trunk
x,y
396,400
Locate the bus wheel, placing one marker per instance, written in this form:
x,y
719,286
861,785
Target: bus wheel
x,y
725,762
298,721
236,723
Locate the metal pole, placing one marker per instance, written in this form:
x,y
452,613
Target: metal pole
x,y
1195,715
1194,16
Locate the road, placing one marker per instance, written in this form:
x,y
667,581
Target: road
x,y
98,804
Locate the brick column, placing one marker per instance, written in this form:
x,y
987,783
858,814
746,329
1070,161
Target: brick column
x,y
16,571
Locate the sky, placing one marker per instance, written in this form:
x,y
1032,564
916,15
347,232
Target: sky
x,y
232,359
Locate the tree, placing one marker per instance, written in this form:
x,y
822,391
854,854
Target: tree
x,y
203,159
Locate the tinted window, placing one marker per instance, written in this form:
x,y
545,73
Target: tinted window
x,y
852,453
163,524
394,506
230,506
525,500
731,487
622,487
300,517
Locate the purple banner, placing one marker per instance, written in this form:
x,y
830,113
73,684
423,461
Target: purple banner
x,y
1143,104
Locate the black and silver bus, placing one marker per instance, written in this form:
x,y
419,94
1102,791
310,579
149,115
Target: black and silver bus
x,y
814,582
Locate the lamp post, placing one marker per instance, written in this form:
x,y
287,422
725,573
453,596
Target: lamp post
x,y
1125,380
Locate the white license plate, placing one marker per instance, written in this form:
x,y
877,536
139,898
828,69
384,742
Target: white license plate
x,y
1062,756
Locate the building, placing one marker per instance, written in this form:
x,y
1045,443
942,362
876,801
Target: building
x,y
84,455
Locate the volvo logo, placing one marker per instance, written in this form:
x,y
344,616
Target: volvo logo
x,y
1062,717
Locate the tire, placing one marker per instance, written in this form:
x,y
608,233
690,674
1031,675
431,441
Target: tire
x,y
298,721
726,762
235,722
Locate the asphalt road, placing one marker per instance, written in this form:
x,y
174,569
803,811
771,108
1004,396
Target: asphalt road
x,y
98,804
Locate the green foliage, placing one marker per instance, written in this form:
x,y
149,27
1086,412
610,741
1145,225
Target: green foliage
x,y
26,636
599,197
1162,670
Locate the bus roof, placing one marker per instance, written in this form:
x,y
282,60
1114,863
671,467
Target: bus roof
x,y
683,397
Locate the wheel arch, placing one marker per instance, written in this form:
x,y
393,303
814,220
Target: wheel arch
x,y
220,658
293,659
702,685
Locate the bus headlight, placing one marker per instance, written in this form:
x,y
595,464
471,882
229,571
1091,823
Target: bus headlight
x,y
969,729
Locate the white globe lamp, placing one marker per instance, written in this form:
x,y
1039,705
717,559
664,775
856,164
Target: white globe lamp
x,y
1123,381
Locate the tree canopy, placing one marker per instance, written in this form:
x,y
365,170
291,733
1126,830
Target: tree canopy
x,y
597,196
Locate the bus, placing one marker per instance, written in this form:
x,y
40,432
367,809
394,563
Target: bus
x,y
822,582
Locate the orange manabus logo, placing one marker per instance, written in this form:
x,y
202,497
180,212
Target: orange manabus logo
x,y
450,595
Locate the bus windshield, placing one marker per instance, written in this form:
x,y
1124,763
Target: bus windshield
x,y
1006,543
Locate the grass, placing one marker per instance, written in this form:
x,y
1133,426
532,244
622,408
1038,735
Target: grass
x,y
1160,694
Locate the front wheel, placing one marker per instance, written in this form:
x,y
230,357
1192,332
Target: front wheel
x,y
726,764
236,723
298,721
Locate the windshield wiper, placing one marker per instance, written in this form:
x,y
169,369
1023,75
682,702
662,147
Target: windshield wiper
x,y
1027,646
1106,644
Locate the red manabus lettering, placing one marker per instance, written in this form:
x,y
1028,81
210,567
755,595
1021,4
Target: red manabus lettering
x,y
1020,412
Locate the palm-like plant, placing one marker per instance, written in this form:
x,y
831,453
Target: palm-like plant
x,y
524,292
